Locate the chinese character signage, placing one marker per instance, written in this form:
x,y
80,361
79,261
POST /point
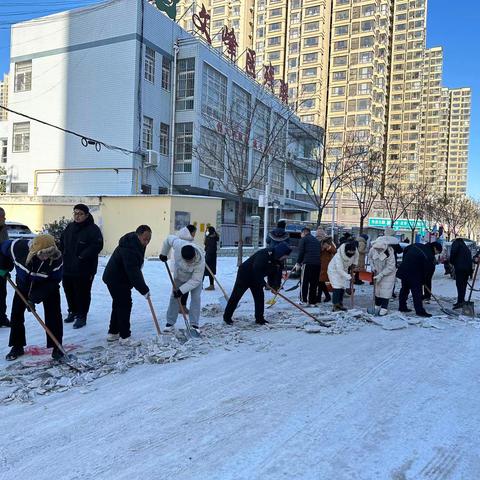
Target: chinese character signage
x,y
250,62
230,41
169,7
268,76
202,23
283,94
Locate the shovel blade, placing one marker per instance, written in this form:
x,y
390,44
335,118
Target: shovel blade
x,y
373,310
468,309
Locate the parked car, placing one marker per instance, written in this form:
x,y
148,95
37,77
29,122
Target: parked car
x,y
18,230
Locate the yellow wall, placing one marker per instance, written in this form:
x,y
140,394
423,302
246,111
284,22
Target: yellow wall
x,y
117,215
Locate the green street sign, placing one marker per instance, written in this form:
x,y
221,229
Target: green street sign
x,y
400,224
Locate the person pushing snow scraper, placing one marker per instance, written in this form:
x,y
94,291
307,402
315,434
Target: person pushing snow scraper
x,y
188,270
39,266
251,275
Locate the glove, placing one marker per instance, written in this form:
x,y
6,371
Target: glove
x,y
177,293
31,306
298,267
4,273
147,295
163,258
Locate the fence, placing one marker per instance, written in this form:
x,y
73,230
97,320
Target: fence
x,y
230,235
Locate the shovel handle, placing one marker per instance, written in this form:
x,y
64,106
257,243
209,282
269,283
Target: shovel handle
x,y
473,282
154,316
218,283
186,320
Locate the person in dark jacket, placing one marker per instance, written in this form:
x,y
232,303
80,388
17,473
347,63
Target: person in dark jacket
x,y
4,322
417,264
80,244
211,244
309,249
122,273
345,238
251,275
278,234
461,259
38,266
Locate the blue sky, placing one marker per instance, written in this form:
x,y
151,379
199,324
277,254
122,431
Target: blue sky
x,y
452,25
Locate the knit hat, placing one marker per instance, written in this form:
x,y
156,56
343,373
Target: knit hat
x,y
437,246
321,234
44,244
350,246
82,207
282,224
188,252
281,250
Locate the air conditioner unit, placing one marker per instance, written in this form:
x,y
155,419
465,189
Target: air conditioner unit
x,y
151,158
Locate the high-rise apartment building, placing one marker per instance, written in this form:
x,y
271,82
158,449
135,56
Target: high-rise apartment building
x,y
4,97
458,139
405,98
358,80
433,127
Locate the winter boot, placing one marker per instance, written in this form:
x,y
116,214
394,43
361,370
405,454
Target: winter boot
x,y
382,312
424,314
113,337
261,321
228,321
210,287
80,321
327,299
129,342
5,322
168,328
338,307
14,353
456,306
70,317
405,310
57,354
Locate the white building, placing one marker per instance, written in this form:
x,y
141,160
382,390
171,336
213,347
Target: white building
x,y
106,72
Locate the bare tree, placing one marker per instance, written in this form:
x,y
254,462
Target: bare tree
x,y
455,211
364,180
393,191
414,200
321,177
241,147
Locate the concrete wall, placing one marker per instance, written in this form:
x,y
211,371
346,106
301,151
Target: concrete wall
x,y
117,215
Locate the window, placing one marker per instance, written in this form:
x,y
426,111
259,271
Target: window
x,y
293,47
19,188
219,11
275,12
272,56
274,41
149,65
336,121
275,27
341,45
21,137
214,93
309,72
308,103
310,57
312,26
340,61
164,136
214,147
365,57
166,68
277,179
343,15
338,106
186,84
341,30
183,147
3,150
146,189
311,11
338,91
23,76
293,62
309,88
363,120
340,75
147,133
310,42
366,42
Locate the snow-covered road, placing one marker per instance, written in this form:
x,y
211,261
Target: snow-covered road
x,y
281,404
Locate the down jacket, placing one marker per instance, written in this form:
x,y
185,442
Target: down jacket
x,y
338,268
382,259
327,253
362,252
187,275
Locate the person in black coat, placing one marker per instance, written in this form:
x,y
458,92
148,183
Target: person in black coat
x,y
80,243
38,265
251,275
461,259
122,273
417,264
211,244
309,256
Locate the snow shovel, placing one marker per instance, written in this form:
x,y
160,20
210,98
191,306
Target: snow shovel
x,y
352,288
442,308
276,292
68,358
273,300
468,307
373,309
189,329
223,299
154,316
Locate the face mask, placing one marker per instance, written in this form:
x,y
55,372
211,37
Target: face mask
x,y
349,254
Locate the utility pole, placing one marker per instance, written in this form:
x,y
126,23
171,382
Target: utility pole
x,y
265,214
